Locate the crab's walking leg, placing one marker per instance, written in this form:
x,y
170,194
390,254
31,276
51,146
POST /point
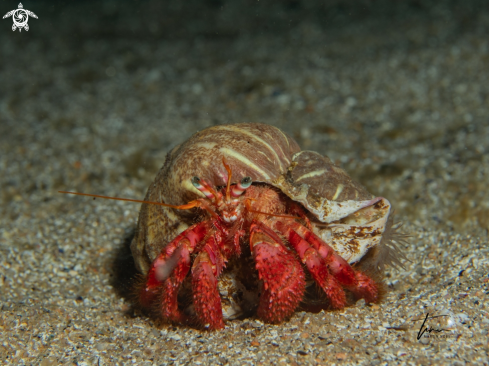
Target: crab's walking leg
x,y
281,273
169,270
205,270
361,285
319,270
329,270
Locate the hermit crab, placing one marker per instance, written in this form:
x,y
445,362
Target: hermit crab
x,y
239,221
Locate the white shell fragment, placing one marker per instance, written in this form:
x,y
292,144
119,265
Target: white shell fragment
x,y
359,232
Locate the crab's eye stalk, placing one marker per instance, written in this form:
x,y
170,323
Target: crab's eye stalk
x,y
203,187
239,188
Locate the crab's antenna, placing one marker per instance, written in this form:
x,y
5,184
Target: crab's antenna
x,y
206,189
228,169
187,206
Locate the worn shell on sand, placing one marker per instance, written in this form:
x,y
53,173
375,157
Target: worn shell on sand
x,y
342,212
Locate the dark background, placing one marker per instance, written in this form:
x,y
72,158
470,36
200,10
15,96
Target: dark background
x,y
350,79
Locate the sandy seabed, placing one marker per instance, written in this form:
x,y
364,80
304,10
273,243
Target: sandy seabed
x,y
396,95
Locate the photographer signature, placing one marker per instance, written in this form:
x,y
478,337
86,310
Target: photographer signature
x,y
428,329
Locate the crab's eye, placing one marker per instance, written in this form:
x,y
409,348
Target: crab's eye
x,y
204,187
239,188
246,182
196,182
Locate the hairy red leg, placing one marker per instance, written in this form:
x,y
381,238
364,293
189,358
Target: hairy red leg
x,y
361,285
319,270
321,259
169,270
281,273
205,270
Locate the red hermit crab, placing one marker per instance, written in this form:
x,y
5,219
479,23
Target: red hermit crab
x,y
240,220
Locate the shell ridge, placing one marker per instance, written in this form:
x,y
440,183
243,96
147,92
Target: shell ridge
x,y
253,136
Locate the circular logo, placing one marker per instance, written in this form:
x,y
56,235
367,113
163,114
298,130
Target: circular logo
x,y
20,18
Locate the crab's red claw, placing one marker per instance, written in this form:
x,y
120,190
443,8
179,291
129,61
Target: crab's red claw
x,y
169,270
281,273
207,302
169,304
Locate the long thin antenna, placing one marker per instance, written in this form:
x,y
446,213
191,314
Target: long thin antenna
x,y
228,169
187,206
191,204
